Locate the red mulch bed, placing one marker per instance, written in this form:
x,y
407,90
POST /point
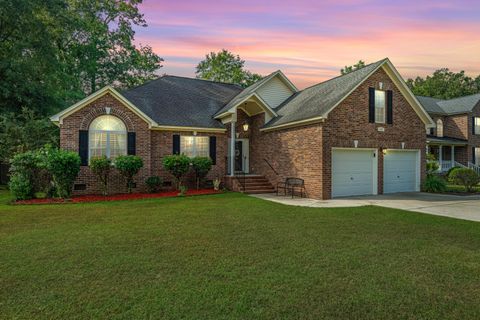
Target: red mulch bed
x,y
117,197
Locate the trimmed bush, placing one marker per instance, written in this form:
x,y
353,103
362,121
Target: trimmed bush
x,y
154,184
101,166
464,177
178,165
201,166
434,183
64,167
450,171
21,187
128,167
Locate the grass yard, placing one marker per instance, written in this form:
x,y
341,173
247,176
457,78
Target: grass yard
x,y
231,256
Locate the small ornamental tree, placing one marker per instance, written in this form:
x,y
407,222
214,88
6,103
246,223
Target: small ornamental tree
x,y
178,165
128,167
64,167
432,165
465,177
201,166
101,166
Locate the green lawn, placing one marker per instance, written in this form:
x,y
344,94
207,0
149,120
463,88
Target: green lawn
x,y
232,256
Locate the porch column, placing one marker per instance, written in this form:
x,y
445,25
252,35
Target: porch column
x,y
233,125
440,157
452,148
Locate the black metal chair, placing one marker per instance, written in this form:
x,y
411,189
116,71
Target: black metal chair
x,y
291,185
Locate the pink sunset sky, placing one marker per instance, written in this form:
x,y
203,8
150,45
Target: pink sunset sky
x,y
310,41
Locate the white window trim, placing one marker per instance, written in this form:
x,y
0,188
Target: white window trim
x,y
476,127
194,144
439,124
384,107
107,146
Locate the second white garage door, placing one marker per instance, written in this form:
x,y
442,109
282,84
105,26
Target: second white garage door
x,y
401,171
354,172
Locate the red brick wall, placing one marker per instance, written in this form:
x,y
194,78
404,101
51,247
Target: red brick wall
x,y
473,140
151,145
306,151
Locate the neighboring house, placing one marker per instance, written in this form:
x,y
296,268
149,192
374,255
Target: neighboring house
x,y
359,133
455,140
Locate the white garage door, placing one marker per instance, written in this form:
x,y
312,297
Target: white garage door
x,y
353,172
400,171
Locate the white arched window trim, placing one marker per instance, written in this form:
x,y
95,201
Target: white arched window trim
x,y
107,136
439,128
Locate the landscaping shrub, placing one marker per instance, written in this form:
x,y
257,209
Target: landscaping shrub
x,y
154,184
201,166
178,165
21,187
128,167
450,171
465,177
434,183
30,174
183,191
64,167
101,166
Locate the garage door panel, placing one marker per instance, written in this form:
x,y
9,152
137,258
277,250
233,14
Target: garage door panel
x,y
352,172
400,171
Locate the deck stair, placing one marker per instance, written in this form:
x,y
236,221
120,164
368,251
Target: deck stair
x,y
254,184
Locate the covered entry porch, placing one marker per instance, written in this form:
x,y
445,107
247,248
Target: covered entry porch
x,y
448,152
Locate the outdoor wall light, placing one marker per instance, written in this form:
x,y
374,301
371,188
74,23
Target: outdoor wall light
x,y
384,151
245,127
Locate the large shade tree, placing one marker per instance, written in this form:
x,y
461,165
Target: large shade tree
x,y
224,66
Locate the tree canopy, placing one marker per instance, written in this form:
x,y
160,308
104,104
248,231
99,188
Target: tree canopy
x,y
360,64
445,84
224,66
55,52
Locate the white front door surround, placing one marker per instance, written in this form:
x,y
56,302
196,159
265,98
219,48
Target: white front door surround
x,y
245,154
354,172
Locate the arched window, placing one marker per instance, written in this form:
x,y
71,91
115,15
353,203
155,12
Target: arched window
x,y
439,128
107,137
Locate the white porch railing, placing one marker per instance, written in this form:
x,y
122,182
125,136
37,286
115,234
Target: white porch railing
x,y
446,165
474,167
458,164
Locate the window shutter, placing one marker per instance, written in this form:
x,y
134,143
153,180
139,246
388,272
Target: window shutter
x,y
213,149
473,125
389,106
131,143
473,155
371,105
176,144
83,147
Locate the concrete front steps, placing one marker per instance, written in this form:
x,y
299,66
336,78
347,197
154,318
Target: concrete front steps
x,y
255,184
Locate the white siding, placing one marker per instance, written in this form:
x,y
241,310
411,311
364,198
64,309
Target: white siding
x,y
274,92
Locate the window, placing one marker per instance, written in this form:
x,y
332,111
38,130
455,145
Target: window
x,y
439,128
477,156
107,137
476,128
379,106
193,146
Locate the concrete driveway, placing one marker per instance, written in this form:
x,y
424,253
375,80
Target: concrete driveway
x,y
460,207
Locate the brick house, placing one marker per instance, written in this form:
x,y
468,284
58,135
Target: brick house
x,y
359,133
455,139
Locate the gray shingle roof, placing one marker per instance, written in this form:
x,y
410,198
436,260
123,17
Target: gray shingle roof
x,y
315,101
245,93
179,101
452,106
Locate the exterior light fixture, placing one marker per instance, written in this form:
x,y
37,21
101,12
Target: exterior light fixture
x,y
245,127
384,151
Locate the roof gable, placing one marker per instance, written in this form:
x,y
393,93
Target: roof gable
x,y
452,106
315,103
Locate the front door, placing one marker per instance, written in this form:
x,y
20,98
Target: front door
x,y
238,155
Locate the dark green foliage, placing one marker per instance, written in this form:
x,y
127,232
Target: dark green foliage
x,y
445,84
154,184
465,177
432,165
128,167
29,174
434,183
450,171
183,191
101,166
360,64
201,166
224,66
21,187
178,165
64,167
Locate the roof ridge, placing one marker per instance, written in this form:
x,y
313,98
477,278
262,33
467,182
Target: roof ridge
x,y
346,74
462,97
199,79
